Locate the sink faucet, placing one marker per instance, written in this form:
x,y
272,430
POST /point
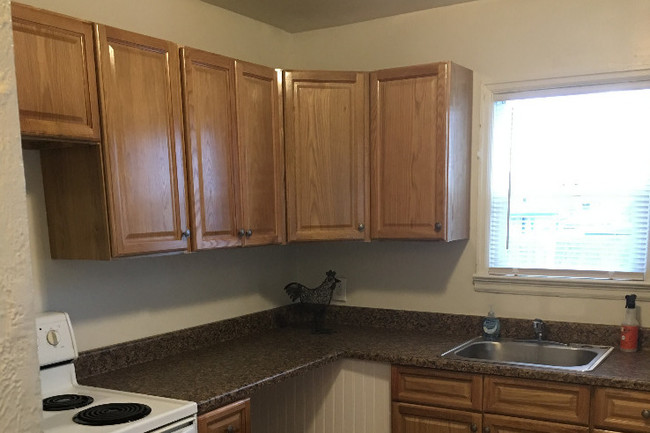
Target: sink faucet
x,y
538,327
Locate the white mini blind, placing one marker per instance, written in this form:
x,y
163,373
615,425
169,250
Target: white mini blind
x,y
570,185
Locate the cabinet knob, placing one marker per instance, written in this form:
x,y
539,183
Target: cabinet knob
x,y
185,234
486,429
645,413
249,233
473,428
437,227
361,227
230,429
241,233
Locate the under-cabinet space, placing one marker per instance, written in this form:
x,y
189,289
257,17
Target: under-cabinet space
x,y
55,76
420,135
621,410
234,418
326,127
233,117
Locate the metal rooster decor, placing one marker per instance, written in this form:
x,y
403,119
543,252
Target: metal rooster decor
x,y
315,300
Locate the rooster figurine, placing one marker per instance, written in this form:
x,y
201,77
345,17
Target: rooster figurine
x,y
316,299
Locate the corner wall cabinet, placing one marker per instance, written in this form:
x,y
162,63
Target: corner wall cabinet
x,y
55,75
420,135
326,118
234,418
233,118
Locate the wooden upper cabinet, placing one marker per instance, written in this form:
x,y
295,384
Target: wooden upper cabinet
x,y
233,119
261,153
55,75
211,135
420,132
143,144
326,127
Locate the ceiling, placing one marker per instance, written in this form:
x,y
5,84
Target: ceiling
x,y
302,15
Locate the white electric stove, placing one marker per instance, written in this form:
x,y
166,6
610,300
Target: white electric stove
x,y
72,408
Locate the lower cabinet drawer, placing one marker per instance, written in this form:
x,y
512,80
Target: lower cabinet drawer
x,y
508,424
410,418
234,418
535,399
620,409
438,388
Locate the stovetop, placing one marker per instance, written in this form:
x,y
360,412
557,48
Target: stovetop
x,y
145,413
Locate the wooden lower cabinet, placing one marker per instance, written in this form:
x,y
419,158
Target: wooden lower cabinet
x,y
621,410
234,418
432,401
412,418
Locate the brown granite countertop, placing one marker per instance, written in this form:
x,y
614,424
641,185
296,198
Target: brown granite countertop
x,y
228,371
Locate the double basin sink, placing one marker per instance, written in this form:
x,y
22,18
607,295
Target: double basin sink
x,y
534,353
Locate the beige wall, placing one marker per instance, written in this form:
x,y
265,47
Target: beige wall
x,y
20,396
502,40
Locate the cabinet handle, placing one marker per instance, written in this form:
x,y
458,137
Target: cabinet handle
x,y
241,233
249,233
361,227
473,428
437,227
230,429
185,234
645,413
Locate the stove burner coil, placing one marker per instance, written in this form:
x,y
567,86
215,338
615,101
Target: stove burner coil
x,y
112,413
66,402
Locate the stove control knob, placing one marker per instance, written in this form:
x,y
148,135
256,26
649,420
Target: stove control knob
x,y
53,337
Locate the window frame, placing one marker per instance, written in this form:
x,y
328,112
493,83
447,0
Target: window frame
x,y
555,286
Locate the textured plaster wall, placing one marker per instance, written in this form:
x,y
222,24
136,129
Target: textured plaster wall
x,y
19,388
501,40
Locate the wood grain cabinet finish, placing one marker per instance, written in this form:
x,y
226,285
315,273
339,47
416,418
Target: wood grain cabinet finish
x,y
412,418
420,135
233,118
234,418
537,399
509,424
55,75
140,94
326,127
438,388
619,409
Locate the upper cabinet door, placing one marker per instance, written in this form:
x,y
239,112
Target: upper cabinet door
x,y
211,136
326,155
261,153
420,143
143,144
55,74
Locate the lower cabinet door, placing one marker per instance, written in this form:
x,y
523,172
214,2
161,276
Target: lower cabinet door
x,y
234,418
412,418
508,424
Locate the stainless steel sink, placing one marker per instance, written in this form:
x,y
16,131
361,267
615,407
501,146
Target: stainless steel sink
x,y
576,357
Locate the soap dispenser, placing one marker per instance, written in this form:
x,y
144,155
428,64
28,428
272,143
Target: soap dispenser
x,y
491,326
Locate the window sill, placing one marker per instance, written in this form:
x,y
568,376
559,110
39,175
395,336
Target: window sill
x,y
560,287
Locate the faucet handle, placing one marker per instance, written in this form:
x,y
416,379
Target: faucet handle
x,y
538,327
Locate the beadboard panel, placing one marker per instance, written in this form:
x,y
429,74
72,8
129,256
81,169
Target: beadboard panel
x,y
349,396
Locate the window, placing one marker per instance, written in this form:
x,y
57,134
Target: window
x,y
568,184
